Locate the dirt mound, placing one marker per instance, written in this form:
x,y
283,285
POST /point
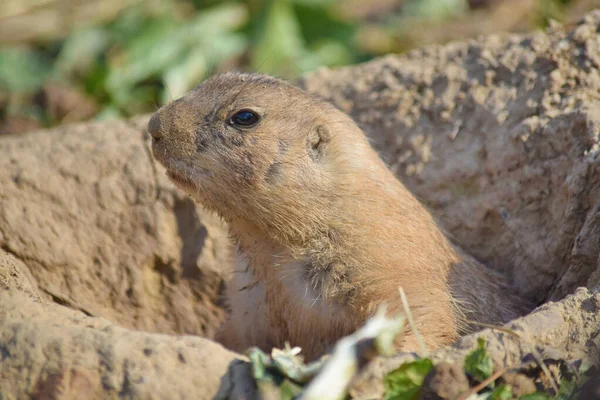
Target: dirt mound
x,y
500,137
101,230
51,352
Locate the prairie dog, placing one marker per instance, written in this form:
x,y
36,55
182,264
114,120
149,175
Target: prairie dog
x,y
324,231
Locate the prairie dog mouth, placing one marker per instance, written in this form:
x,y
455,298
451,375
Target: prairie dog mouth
x,y
180,180
186,181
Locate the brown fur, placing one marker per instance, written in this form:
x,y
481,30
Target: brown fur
x,y
325,232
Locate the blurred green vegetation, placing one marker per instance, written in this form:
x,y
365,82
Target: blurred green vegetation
x,y
151,52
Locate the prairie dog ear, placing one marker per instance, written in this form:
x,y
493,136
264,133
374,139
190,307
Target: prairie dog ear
x,y
317,138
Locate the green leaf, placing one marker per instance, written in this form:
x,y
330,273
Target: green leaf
x,y
129,23
405,382
259,361
80,50
572,378
95,81
314,3
289,390
319,23
436,9
180,77
22,70
109,113
195,65
279,43
164,43
478,363
327,52
536,396
502,392
151,51
212,45
212,22
567,389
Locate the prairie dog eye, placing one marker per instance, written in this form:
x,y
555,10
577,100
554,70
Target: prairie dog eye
x,y
245,118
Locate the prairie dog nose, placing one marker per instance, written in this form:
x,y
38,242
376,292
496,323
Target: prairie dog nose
x,y
155,127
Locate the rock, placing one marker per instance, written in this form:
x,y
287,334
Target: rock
x,y
88,221
519,383
500,138
14,125
51,352
63,104
14,274
102,230
445,381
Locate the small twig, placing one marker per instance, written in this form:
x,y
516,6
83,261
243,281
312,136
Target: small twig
x,y
456,129
482,385
411,322
544,367
494,327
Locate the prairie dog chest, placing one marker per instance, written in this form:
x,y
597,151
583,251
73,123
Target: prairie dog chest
x,y
276,286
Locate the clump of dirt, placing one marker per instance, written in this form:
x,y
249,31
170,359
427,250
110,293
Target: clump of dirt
x,y
445,381
64,104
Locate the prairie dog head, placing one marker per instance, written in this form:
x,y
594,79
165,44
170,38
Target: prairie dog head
x,y
252,146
